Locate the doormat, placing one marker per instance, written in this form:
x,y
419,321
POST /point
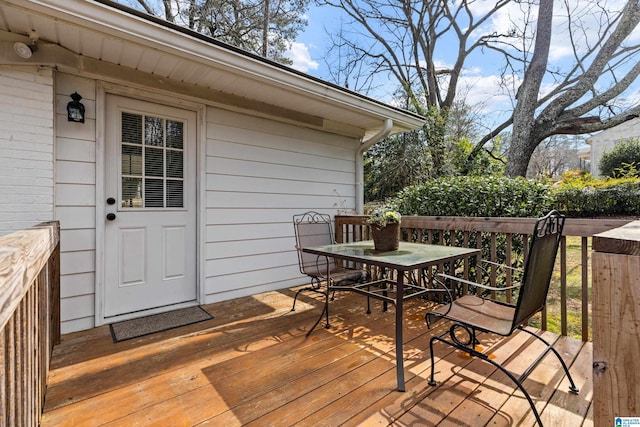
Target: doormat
x,y
147,325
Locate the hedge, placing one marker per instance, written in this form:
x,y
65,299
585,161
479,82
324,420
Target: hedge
x,y
486,196
499,196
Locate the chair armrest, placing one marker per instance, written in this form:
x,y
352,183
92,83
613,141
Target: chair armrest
x,y
502,265
469,282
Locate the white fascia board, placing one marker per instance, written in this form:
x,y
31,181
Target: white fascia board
x,y
111,21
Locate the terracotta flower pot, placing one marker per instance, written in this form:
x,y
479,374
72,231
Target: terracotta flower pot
x,y
386,238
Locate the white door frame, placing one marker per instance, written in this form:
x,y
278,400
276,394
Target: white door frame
x,y
102,89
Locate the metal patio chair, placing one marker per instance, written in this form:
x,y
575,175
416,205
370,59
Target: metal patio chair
x,y
471,314
314,229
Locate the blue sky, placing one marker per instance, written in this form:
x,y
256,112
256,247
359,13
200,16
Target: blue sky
x,y
481,76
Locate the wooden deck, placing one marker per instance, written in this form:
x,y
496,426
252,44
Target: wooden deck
x,y
253,365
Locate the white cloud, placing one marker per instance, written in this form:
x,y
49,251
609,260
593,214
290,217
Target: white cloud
x,y
485,93
587,19
299,54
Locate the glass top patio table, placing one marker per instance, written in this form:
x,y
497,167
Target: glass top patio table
x,y
409,256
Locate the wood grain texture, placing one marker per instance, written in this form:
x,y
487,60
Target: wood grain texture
x,y
573,226
616,336
23,255
620,240
253,365
29,320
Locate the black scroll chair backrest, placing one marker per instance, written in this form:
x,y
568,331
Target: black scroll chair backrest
x,y
539,267
313,229
471,313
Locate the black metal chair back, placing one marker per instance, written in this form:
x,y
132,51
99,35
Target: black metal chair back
x,y
538,269
313,229
471,314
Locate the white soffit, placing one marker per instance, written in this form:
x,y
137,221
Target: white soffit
x,y
85,30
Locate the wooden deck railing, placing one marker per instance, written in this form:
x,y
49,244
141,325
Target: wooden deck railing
x,y
616,330
493,235
29,320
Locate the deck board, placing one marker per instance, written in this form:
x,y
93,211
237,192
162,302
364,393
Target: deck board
x,y
252,365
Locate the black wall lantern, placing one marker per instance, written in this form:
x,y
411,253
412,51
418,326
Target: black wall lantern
x,y
75,109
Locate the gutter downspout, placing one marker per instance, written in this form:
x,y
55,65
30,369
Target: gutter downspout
x,y
364,146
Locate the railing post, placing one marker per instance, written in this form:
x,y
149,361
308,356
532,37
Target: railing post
x,y
616,330
29,320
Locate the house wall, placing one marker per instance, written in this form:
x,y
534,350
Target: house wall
x,y
75,202
257,174
26,147
606,140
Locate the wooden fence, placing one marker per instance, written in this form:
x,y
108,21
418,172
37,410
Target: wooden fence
x,y
493,235
29,320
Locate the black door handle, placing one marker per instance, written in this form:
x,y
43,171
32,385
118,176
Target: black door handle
x,y
111,216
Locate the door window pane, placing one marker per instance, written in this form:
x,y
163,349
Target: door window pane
x,y
174,164
154,131
153,193
131,192
131,128
131,160
175,197
154,162
152,174
175,135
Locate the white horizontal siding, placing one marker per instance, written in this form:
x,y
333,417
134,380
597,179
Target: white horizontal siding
x,y
248,232
259,169
76,312
260,173
241,248
76,203
73,285
75,172
251,282
26,147
77,240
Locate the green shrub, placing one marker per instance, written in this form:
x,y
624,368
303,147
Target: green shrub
x,y
485,196
596,198
621,161
578,194
477,196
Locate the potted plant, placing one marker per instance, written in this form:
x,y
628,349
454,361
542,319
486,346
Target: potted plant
x,y
385,229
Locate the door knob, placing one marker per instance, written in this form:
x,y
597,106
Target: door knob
x,y
111,201
111,216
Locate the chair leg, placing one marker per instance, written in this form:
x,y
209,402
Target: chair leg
x,y
432,380
482,356
518,381
325,312
572,387
313,288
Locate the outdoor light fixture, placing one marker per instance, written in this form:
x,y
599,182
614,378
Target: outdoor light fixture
x,y
24,50
75,109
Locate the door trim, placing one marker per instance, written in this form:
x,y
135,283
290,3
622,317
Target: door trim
x,y
102,89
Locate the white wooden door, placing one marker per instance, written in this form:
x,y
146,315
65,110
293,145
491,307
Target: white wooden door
x,y
150,210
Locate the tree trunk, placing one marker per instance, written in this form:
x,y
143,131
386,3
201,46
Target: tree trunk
x,y
524,139
265,30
